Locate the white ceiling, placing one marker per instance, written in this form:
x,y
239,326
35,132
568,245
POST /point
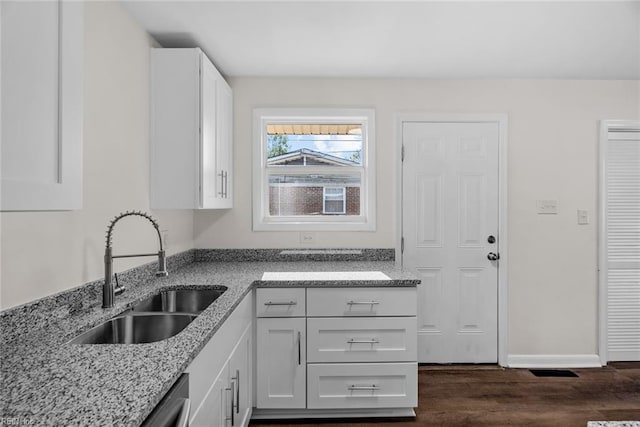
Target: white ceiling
x,y
430,39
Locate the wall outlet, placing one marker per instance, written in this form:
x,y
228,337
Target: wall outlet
x,y
583,217
307,237
547,207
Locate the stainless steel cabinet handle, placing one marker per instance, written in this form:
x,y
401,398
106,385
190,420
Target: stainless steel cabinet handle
x,y
233,422
362,302
299,348
371,387
237,380
221,193
226,184
281,303
371,341
230,418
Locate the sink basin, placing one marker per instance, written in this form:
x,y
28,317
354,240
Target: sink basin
x,y
179,301
136,329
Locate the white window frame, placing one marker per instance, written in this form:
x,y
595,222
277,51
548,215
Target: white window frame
x,y
344,200
262,221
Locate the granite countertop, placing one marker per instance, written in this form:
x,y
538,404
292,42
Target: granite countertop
x,y
47,381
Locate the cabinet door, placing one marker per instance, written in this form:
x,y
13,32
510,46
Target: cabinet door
x,y
241,374
281,363
216,139
210,181
41,105
224,146
215,409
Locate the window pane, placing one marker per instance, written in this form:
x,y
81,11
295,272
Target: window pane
x,y
306,195
314,145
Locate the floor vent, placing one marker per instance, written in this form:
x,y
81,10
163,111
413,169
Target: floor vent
x,y
553,373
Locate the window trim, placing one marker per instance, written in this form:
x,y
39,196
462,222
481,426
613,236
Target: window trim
x,y
366,221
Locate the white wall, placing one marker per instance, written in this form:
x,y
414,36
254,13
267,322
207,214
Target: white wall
x,y
47,252
553,130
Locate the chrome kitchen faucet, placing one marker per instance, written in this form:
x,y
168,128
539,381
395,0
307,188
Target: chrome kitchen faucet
x,y
109,292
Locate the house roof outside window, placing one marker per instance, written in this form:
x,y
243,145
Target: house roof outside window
x,y
307,157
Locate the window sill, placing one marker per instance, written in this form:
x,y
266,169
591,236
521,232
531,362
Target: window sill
x,y
314,226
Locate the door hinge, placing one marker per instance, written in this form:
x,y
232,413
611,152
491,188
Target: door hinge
x,y
402,155
402,245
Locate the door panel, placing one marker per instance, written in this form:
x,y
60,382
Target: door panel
x,y
621,237
450,207
281,381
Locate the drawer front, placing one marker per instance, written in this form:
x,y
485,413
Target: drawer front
x,y
362,385
362,339
280,302
336,302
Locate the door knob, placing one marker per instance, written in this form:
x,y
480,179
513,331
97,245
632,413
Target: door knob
x,y
493,256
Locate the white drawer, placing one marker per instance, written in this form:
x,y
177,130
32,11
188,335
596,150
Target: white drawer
x,y
335,302
280,302
362,339
362,385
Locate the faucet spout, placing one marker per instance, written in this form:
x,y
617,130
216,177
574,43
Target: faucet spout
x,y
109,291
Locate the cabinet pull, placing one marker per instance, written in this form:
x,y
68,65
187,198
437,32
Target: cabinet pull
x,y
281,303
226,184
371,341
233,385
299,349
231,418
221,193
237,380
371,387
362,302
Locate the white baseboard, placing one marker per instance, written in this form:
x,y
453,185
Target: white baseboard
x,y
553,361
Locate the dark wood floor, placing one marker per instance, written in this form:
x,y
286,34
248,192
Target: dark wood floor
x,y
492,396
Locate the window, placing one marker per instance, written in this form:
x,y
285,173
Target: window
x,y
313,169
334,200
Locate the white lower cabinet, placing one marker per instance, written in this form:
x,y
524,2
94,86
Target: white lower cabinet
x,y
281,362
338,352
241,380
221,376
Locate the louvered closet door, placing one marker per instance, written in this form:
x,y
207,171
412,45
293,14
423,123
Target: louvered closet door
x,y
622,242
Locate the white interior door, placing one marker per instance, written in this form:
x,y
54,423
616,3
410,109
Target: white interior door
x,y
450,229
620,239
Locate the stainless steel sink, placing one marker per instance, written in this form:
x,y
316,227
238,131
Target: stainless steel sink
x,y
179,301
136,329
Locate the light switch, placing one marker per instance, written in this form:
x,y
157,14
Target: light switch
x,y
546,207
583,217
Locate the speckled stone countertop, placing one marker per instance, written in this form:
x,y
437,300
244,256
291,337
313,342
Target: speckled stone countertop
x,y
46,381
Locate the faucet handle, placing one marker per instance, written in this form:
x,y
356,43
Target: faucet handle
x,y
118,289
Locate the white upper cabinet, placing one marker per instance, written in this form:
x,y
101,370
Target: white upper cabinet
x,y
41,87
191,132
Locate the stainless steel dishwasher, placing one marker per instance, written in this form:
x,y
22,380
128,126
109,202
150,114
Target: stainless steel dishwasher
x,y
173,409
